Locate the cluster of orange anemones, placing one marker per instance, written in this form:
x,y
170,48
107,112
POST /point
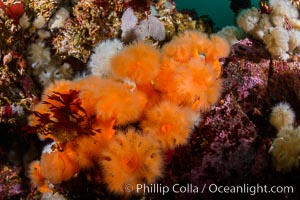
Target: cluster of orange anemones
x,y
190,69
158,92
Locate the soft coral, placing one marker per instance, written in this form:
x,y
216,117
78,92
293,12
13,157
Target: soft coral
x,y
13,11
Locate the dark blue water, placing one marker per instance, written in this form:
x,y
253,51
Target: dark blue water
x,y
218,10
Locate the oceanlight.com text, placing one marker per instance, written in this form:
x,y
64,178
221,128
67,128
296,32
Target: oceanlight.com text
x,y
250,189
208,188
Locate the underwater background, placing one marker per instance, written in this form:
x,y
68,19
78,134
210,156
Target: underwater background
x,y
218,10
149,99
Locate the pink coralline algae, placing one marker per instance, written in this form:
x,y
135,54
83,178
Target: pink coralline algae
x,y
246,75
248,84
11,185
231,145
227,144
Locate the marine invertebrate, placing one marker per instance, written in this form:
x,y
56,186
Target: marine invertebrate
x,y
190,56
283,8
100,61
37,177
195,44
196,85
14,10
190,48
85,28
131,158
114,101
58,166
277,42
50,119
198,94
120,104
71,41
282,115
15,85
276,27
55,196
39,22
24,21
129,21
45,67
248,19
285,149
169,123
216,49
59,18
58,38
99,112
61,86
231,33
138,62
11,34
149,27
85,157
87,87
296,3
177,22
294,41
184,47
44,8
38,55
49,73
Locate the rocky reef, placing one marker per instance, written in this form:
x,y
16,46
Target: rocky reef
x,y
45,41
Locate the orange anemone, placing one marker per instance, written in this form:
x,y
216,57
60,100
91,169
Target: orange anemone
x,y
37,177
196,85
138,62
131,158
169,123
59,166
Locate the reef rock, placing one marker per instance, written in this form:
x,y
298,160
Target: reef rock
x,y
231,145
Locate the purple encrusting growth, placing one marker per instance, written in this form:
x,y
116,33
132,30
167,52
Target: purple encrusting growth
x,y
231,145
246,74
10,182
248,83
